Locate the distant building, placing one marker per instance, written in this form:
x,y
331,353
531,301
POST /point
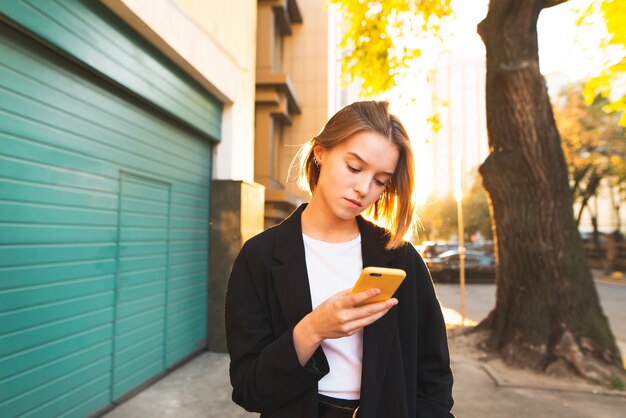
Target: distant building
x,y
458,98
311,59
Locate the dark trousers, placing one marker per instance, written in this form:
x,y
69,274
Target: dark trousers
x,y
337,408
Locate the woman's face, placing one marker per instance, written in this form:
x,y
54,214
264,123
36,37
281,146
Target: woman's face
x,y
354,173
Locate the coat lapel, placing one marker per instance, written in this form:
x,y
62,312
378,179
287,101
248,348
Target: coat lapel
x,y
291,280
377,337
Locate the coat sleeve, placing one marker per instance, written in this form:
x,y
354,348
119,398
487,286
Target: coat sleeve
x,y
434,376
264,369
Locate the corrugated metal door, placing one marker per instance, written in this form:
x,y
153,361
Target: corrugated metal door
x,y
103,236
139,346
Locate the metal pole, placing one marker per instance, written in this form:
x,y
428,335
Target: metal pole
x,y
461,258
459,210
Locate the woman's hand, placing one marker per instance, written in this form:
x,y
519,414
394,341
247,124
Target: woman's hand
x,y
337,317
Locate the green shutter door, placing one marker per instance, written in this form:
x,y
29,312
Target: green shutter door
x,y
139,345
103,236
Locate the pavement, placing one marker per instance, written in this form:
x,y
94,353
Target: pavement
x,y
197,389
487,388
483,389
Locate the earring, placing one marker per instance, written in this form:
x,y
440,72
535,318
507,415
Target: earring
x,y
317,164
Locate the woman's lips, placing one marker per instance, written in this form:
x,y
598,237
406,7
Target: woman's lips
x,y
354,203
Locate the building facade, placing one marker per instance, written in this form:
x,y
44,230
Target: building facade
x,y
300,57
127,186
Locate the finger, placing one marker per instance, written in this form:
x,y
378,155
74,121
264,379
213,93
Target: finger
x,y
365,311
344,299
359,297
373,308
358,324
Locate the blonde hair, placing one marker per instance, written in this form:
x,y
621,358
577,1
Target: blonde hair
x,y
395,207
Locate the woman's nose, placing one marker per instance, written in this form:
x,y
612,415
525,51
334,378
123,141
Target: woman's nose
x,y
362,186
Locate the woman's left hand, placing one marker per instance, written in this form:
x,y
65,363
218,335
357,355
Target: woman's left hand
x,y
339,316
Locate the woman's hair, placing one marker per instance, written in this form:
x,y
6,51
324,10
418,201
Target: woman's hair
x,y
394,209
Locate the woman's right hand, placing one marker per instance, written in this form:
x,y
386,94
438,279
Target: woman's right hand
x,y
338,316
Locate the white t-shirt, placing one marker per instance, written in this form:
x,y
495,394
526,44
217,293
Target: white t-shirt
x,y
333,267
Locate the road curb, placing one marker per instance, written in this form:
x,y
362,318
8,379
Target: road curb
x,y
616,277
499,382
609,280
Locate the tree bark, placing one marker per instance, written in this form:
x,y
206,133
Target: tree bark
x,y
547,308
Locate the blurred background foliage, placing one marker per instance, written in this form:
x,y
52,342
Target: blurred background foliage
x,y
438,216
610,83
594,144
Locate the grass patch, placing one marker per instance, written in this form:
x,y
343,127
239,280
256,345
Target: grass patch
x,y
617,383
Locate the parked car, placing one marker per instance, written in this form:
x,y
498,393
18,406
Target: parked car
x,y
430,249
479,266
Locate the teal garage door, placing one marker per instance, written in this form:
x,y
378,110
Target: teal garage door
x,y
104,209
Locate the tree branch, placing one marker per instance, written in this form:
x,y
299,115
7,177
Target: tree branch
x,y
552,3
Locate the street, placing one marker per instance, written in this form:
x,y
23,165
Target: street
x,y
480,299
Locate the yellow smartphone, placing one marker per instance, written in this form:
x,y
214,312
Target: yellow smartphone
x,y
386,279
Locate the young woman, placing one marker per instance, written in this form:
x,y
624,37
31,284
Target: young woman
x,y
298,343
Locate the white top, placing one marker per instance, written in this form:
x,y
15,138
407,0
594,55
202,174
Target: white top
x,y
333,267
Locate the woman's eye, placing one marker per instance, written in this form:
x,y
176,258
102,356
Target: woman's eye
x,y
353,169
380,183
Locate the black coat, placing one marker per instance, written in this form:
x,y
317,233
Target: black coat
x,y
406,367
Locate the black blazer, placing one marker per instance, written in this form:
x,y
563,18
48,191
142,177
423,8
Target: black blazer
x,y
406,367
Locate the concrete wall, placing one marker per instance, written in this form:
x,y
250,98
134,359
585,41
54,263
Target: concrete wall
x,y
232,224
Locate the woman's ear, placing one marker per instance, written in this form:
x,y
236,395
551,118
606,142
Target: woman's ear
x,y
318,152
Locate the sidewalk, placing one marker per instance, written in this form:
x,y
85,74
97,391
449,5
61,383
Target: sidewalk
x,y
486,388
483,389
199,388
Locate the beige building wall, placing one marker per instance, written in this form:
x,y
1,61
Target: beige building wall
x,y
231,24
306,55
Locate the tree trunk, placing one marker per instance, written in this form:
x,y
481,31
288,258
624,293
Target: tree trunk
x,y
547,309
595,233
